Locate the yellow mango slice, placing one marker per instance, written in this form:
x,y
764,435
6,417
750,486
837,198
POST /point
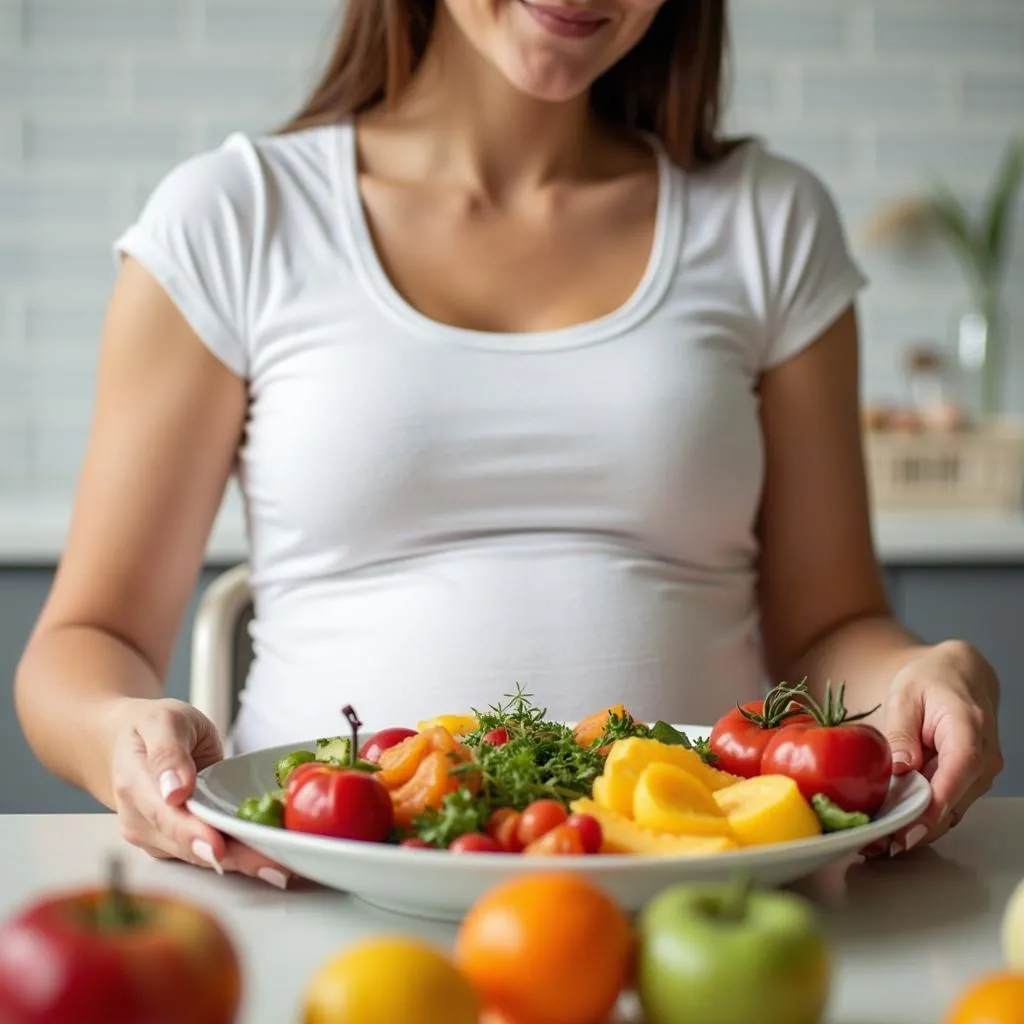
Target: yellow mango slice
x,y
767,809
638,752
671,800
620,835
614,789
457,725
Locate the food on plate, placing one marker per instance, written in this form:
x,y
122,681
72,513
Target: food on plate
x,y
739,737
457,725
346,803
506,779
383,740
669,799
994,998
264,810
628,758
833,818
1013,929
547,948
731,954
386,980
767,809
287,764
833,753
110,956
623,835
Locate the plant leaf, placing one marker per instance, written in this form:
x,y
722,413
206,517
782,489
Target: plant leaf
x,y
1001,206
952,219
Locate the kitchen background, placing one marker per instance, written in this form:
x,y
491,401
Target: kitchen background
x,y
883,98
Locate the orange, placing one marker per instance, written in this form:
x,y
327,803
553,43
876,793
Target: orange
x,y
996,998
549,948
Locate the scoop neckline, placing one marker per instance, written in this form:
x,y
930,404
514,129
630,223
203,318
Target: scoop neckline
x,y
653,284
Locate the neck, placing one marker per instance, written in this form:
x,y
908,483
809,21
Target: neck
x,y
485,131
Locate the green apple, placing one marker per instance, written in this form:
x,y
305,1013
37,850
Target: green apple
x,y
1013,929
731,954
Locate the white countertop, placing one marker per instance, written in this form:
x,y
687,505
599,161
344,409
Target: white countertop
x,y
32,532
907,935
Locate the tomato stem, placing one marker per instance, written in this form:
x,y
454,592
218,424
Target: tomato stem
x,y
832,711
781,703
353,720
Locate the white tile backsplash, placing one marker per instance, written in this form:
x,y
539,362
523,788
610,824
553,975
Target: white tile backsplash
x,y
99,99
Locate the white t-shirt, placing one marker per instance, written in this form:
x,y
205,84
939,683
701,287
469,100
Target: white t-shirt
x,y
436,514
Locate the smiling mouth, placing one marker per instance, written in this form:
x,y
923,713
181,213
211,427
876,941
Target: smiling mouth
x,y
567,22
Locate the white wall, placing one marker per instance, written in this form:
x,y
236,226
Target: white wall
x,y
98,98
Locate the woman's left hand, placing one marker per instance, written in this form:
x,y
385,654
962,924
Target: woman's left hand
x,y
940,719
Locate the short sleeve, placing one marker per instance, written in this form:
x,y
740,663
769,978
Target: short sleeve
x,y
195,235
810,275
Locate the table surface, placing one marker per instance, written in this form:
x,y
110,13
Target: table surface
x,y
907,934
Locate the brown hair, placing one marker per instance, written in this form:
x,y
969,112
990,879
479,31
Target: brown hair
x,y
669,84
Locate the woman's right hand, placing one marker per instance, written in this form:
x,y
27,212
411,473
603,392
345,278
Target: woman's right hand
x,y
159,746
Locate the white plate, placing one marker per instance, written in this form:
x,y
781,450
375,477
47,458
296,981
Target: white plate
x,y
442,886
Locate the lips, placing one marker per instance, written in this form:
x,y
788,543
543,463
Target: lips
x,y
567,22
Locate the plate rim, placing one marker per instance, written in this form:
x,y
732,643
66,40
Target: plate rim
x,y
918,798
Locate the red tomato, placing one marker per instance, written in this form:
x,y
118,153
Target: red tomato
x,y
540,818
496,737
562,840
416,843
381,741
740,736
589,829
342,803
835,754
155,958
475,842
503,828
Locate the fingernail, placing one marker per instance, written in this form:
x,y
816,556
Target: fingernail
x,y
170,782
895,848
203,851
278,879
915,835
902,757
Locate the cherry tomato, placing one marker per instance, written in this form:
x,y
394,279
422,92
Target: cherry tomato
x,y
381,741
835,754
475,842
416,843
539,818
562,840
503,828
589,829
740,736
346,804
496,737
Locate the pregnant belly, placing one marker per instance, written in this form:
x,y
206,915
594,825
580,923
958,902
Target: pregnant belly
x,y
579,626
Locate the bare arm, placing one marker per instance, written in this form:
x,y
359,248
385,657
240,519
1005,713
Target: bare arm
x,y
164,436
824,609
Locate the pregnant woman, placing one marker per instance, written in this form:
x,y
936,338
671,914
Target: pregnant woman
x,y
528,376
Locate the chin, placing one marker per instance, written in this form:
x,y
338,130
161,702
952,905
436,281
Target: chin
x,y
547,84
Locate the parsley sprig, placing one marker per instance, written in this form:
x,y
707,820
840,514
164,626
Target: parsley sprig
x,y
542,760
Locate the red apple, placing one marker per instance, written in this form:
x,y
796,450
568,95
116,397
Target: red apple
x,y
103,956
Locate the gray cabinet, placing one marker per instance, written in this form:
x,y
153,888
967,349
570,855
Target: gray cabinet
x,y
25,786
980,604
984,606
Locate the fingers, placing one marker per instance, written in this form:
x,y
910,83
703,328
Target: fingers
x,y
958,743
169,738
904,716
154,775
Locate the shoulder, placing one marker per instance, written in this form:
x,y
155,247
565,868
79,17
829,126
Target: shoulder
x,y
238,179
770,184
